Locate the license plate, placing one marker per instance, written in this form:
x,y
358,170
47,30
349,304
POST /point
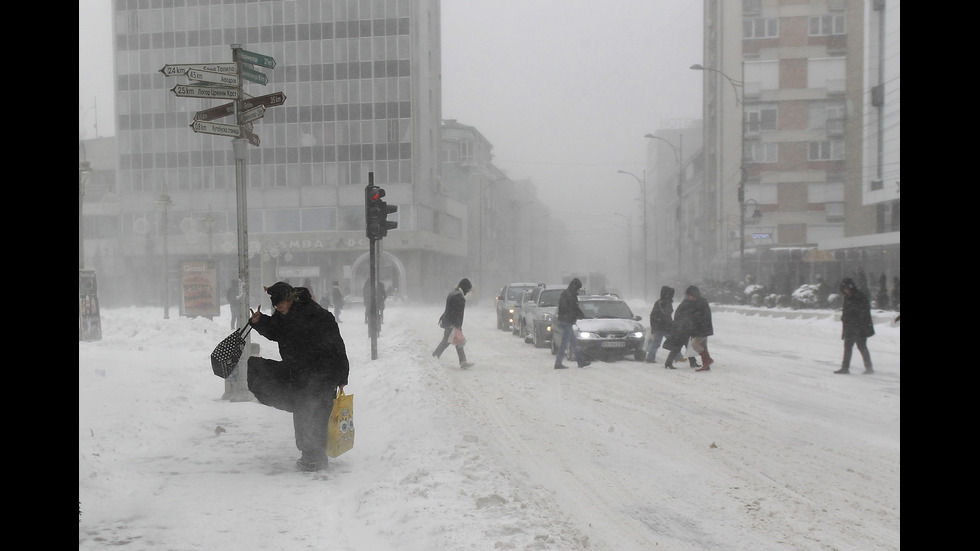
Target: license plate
x,y
614,344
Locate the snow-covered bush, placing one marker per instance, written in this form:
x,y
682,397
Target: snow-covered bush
x,y
805,296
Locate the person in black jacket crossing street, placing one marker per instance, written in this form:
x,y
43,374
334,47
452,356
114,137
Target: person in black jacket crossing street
x,y
567,314
693,319
857,325
452,317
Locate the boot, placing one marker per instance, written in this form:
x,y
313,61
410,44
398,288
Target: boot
x,y
693,362
669,362
706,359
868,370
843,370
559,365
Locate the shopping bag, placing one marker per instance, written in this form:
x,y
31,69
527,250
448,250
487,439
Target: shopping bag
x,y
224,358
458,338
340,428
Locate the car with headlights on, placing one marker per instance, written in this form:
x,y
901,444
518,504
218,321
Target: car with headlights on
x,y
507,299
609,331
538,314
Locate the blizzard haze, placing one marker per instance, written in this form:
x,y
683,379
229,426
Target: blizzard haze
x,y
565,92
770,450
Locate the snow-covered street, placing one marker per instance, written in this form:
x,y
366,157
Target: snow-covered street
x,y
768,450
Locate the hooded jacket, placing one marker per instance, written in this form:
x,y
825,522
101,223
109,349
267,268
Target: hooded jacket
x,y
855,313
693,315
661,321
568,310
310,340
452,316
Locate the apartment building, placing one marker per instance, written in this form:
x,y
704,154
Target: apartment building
x,y
801,139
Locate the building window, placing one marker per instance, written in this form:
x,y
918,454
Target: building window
x,y
829,116
828,150
762,152
761,117
282,220
834,211
760,27
823,25
466,152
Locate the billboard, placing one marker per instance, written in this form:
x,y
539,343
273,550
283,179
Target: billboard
x,y
199,288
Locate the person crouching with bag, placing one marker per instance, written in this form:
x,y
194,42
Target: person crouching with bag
x,y
314,363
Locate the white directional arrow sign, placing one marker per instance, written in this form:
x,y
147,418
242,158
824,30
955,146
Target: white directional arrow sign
x,y
202,91
253,114
182,68
211,76
216,128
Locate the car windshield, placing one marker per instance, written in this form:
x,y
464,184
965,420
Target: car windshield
x,y
549,297
515,293
605,309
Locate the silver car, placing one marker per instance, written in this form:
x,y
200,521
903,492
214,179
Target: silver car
x,y
610,330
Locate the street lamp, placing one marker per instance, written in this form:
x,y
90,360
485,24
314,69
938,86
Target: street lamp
x,y
84,171
643,193
164,201
209,219
629,248
679,157
736,84
756,215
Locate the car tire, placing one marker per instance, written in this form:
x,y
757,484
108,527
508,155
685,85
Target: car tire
x,y
526,333
639,355
516,329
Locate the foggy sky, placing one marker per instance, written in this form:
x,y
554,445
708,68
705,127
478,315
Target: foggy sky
x,y
564,91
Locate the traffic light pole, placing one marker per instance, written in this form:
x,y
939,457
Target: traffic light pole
x,y
376,222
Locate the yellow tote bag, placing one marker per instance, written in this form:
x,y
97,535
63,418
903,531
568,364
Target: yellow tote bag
x,y
340,429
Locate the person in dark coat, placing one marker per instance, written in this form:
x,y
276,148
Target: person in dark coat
x,y
452,317
693,319
857,325
338,300
661,322
567,314
314,364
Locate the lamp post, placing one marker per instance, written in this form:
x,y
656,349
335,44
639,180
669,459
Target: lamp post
x,y
629,248
209,219
679,158
756,215
743,174
643,198
164,201
84,170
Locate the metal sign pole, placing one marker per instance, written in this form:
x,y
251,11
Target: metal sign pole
x,y
239,388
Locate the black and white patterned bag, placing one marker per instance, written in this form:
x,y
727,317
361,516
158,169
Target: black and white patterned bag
x,y
225,357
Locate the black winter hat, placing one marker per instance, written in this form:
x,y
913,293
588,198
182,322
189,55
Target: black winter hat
x,y
847,283
693,291
575,282
279,292
465,285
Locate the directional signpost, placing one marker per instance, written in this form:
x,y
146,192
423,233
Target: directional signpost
x,y
254,76
203,91
253,58
253,114
182,68
216,128
215,112
224,81
269,100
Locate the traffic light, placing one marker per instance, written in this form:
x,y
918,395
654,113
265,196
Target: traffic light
x,y
376,212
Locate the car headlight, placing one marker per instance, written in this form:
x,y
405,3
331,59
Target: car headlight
x,y
638,335
586,335
511,310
